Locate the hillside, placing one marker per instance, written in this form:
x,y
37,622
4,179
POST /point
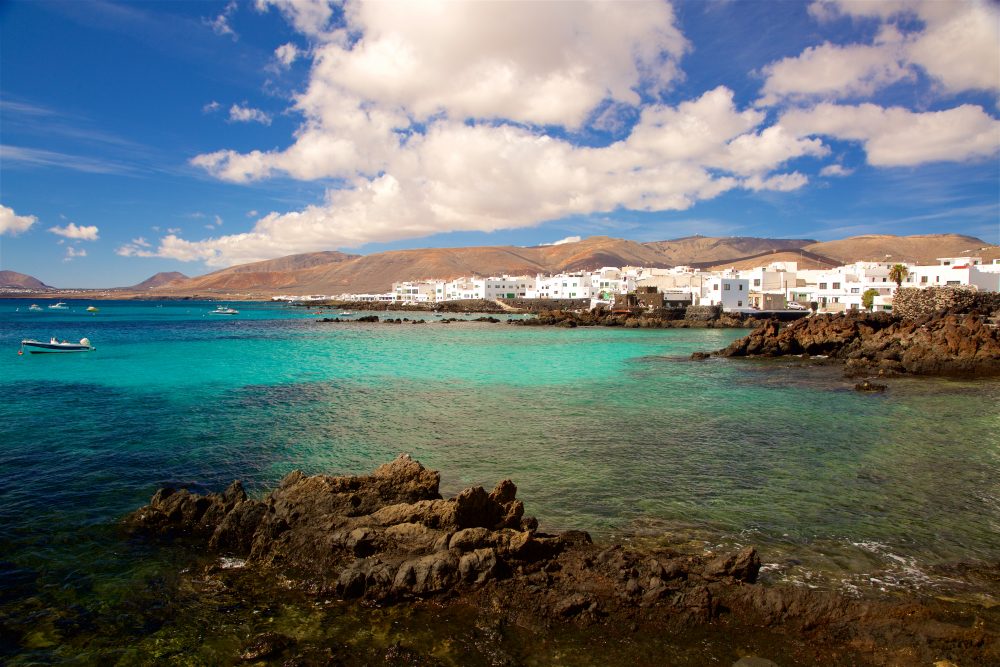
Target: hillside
x,y
921,249
711,250
21,280
158,280
376,272
804,260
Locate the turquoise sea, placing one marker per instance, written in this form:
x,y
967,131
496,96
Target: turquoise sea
x,y
612,431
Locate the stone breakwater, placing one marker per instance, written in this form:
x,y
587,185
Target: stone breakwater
x,y
939,344
390,538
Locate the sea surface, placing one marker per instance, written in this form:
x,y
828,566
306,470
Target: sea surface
x,y
607,430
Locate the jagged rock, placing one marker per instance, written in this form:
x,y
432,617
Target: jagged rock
x,y
742,566
941,344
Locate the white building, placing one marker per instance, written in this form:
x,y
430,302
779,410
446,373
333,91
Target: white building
x,y
958,271
729,292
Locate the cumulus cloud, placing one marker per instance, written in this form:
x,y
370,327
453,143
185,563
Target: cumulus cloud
x,y
462,116
286,54
72,253
14,224
78,232
830,71
835,170
955,44
898,137
243,114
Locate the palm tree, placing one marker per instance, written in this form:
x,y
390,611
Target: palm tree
x,y
898,273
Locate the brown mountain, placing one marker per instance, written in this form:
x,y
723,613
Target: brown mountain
x,y
159,280
375,273
708,250
920,249
21,280
336,272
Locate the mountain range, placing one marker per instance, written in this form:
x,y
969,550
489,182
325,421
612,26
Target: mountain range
x,y
332,272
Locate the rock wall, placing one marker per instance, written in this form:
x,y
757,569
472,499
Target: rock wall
x,y
915,302
943,344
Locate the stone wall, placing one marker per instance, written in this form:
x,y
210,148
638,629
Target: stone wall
x,y
914,302
702,313
538,305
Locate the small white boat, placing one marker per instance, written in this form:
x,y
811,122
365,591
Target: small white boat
x,y
35,308
92,309
59,306
345,312
225,310
38,347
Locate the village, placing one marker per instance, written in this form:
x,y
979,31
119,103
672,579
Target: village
x,y
777,286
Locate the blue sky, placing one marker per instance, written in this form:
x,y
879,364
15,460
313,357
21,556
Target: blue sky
x,y
155,136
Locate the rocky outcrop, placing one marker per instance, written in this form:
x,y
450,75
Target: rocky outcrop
x,y
662,318
942,344
390,537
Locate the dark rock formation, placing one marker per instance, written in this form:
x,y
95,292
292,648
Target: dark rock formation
x,y
389,537
870,386
661,318
941,344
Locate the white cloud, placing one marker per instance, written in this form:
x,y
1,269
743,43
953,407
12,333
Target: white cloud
x,y
956,44
211,107
309,17
141,242
252,213
244,114
72,253
899,137
834,72
14,224
835,170
568,239
286,54
74,231
220,24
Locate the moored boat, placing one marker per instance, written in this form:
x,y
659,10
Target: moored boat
x,y
92,309
59,306
35,308
39,347
225,310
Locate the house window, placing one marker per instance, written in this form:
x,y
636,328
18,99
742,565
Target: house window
x,y
739,304
822,285
756,282
741,287
726,287
923,280
836,286
855,290
954,282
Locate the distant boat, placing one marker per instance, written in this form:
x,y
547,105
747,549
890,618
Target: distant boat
x,y
92,309
59,306
35,308
38,347
225,310
345,312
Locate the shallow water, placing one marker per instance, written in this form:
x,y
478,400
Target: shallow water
x,y
608,430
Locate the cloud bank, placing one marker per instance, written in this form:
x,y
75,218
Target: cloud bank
x,y
446,116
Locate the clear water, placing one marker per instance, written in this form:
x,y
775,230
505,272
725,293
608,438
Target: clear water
x,y
608,430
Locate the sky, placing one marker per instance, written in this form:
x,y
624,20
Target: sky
x,y
138,137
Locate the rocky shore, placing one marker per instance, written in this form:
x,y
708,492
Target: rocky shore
x,y
663,318
948,343
516,595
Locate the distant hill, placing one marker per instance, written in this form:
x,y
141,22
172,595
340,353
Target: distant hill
x,y
159,280
802,258
375,273
337,272
15,279
922,249
708,250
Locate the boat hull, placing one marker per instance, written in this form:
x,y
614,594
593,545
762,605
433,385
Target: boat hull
x,y
38,347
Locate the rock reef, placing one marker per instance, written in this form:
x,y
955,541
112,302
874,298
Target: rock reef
x,y
389,538
957,344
